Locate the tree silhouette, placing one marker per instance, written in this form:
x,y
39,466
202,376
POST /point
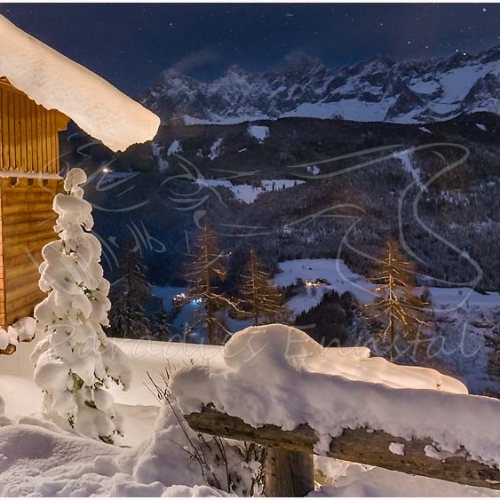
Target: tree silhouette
x,y
205,274
162,327
263,301
129,294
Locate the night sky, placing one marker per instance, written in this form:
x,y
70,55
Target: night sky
x,y
130,44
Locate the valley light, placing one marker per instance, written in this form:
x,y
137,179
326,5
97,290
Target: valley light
x,y
106,170
179,298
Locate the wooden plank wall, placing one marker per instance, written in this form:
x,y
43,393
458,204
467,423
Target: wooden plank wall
x,y
29,140
27,222
29,143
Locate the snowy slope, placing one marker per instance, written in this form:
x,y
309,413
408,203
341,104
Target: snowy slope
x,y
342,279
377,89
247,193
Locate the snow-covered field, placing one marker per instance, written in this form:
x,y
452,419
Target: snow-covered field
x,y
462,313
342,279
260,132
247,193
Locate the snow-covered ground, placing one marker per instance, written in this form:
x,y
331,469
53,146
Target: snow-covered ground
x,y
355,480
260,132
247,193
175,147
157,150
342,279
215,149
405,158
314,170
38,459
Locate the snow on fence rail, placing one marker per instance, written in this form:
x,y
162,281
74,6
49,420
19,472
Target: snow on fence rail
x,y
276,389
360,445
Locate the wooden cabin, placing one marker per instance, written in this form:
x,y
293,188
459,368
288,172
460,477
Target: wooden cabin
x,y
29,179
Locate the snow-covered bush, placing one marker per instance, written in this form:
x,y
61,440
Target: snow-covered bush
x,y
8,340
74,362
231,466
22,330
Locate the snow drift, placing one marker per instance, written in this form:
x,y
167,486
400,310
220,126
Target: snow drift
x,y
278,375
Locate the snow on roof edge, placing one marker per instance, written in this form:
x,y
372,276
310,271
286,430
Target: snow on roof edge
x,y
56,82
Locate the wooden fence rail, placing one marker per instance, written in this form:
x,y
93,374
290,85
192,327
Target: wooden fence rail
x,y
289,468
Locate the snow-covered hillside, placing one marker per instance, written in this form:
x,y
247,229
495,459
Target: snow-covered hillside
x,y
247,193
341,279
377,89
463,317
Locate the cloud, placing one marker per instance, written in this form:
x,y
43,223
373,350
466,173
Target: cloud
x,y
195,60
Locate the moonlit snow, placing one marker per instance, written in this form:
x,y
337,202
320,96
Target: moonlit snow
x,y
259,132
245,192
39,459
330,403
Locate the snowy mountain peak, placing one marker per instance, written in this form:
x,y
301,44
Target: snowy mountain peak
x,y
376,89
299,62
490,55
236,70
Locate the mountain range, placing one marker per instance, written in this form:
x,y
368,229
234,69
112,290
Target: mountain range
x,y
375,90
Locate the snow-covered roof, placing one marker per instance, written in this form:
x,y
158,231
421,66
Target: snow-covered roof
x,y
56,82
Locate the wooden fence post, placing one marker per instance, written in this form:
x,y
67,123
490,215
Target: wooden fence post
x,y
288,473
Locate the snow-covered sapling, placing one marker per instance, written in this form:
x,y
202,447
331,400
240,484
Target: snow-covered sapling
x,y
75,362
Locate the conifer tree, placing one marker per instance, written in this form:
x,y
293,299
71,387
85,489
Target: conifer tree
x,y
263,300
162,327
187,333
128,296
75,363
205,274
396,305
